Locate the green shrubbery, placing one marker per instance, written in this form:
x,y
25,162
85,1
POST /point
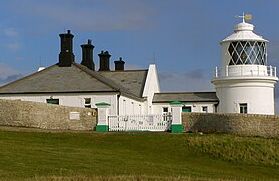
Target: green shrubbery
x,y
251,150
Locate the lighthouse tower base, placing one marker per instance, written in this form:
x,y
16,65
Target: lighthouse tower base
x,y
245,95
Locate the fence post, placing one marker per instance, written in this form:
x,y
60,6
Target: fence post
x,y
176,125
102,119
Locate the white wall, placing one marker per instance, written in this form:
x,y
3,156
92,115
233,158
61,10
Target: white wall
x,y
151,87
258,94
129,106
196,107
70,99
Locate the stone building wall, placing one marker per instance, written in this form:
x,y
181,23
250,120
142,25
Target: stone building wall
x,y
46,116
241,124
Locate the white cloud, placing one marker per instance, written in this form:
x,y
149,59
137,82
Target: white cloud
x,y
13,46
195,80
10,38
8,74
6,71
10,32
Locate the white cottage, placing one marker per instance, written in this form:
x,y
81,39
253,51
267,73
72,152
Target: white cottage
x,y
128,92
71,84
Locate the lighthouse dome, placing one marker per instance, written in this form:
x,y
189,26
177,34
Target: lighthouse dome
x,y
244,31
244,27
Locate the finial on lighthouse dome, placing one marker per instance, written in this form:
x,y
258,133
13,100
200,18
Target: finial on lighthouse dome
x,y
244,26
244,31
245,17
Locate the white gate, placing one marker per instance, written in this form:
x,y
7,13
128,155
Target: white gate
x,y
160,122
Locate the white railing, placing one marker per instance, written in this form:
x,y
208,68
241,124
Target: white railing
x,y
245,70
160,122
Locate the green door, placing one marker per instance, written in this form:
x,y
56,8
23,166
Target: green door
x,y
186,109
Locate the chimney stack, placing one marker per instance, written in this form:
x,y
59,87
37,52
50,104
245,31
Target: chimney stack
x,y
104,61
119,65
66,56
87,55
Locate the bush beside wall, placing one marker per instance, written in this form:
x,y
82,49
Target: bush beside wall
x,y
45,116
241,124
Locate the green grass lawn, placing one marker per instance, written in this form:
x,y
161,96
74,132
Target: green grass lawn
x,y
136,156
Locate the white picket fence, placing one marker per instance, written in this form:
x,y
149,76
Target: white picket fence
x,y
160,122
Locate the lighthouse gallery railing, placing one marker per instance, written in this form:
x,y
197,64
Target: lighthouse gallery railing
x,y
245,70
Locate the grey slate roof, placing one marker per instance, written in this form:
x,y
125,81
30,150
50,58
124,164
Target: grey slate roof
x,y
185,97
77,78
133,80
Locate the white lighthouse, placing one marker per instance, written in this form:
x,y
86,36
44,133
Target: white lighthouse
x,y
244,82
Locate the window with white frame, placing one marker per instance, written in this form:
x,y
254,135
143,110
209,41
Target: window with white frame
x,y
243,108
165,110
52,101
186,109
204,109
87,102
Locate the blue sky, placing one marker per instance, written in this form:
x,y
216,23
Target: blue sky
x,y
181,36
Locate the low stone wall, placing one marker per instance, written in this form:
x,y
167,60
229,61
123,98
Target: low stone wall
x,y
242,124
46,116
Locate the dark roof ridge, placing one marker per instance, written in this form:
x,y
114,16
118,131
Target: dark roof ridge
x,y
99,77
106,81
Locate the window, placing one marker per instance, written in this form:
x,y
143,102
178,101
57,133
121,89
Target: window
x,y
165,109
247,52
204,109
243,108
87,102
53,101
186,109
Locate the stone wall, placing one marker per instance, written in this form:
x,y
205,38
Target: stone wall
x,y
241,124
46,116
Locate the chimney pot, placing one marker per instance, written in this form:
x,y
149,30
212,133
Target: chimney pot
x,y
87,55
119,64
104,61
66,56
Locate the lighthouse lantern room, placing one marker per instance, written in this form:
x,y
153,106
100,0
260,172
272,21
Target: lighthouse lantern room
x,y
244,82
